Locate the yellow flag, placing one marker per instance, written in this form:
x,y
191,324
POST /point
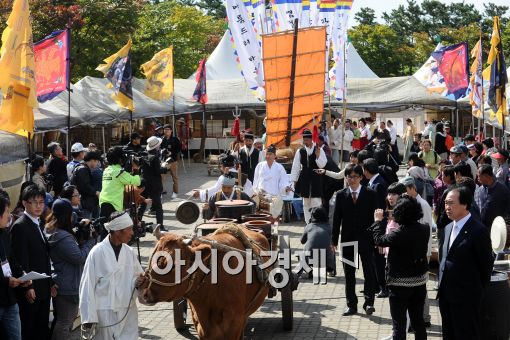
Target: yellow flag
x,y
118,71
159,73
17,75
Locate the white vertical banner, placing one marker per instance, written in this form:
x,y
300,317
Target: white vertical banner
x,y
314,13
327,9
259,9
340,41
245,43
286,11
305,14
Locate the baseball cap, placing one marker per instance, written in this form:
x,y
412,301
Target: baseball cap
x,y
77,147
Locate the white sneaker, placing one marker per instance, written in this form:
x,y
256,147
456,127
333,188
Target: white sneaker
x,y
174,195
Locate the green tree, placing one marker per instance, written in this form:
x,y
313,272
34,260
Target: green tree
x,y
213,8
365,16
193,34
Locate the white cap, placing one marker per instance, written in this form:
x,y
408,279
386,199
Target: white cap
x,y
77,147
120,222
153,142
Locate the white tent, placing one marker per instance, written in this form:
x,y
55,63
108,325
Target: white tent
x,y
222,63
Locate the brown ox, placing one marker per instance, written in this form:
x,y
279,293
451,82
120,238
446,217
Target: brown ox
x,y
219,311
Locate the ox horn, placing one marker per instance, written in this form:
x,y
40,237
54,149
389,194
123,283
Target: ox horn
x,y
157,232
187,241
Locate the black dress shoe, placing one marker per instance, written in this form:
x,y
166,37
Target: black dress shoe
x,y
369,309
349,311
382,294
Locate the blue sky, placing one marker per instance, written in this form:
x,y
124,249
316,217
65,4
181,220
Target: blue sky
x,y
381,6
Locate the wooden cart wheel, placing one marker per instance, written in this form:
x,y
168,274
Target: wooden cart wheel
x,y
286,292
180,310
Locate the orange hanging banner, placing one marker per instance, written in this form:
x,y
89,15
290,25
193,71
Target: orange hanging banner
x,y
309,81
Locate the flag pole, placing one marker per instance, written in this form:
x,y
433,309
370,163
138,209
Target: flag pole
x,y
69,90
292,83
481,99
344,107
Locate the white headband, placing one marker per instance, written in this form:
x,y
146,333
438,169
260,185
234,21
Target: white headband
x,y
121,222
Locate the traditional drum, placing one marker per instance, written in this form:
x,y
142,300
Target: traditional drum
x,y
234,209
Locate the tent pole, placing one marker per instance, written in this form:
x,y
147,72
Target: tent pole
x,y
68,65
292,84
104,140
344,112
130,122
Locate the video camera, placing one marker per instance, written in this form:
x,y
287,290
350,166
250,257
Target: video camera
x,y
84,230
132,157
50,180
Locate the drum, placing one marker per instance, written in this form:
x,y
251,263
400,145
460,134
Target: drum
x,y
495,311
234,209
260,225
503,266
187,212
258,216
222,220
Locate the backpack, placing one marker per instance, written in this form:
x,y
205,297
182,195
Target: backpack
x,y
72,180
388,174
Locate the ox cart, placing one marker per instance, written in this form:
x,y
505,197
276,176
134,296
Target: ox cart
x,y
278,243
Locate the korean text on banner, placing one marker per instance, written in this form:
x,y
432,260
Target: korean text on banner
x,y
118,71
17,76
51,65
246,45
309,81
159,72
286,12
339,41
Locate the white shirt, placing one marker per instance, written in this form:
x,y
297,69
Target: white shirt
x,y
457,227
296,164
372,179
357,191
393,134
106,291
365,132
335,136
427,220
36,221
348,137
271,179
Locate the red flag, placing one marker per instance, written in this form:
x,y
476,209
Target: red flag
x,y
315,134
453,65
235,129
51,65
200,94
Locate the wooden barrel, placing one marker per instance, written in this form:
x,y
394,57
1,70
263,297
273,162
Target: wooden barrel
x,y
234,209
256,225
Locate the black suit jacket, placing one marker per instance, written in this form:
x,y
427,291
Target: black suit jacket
x,y
381,188
354,218
467,266
29,252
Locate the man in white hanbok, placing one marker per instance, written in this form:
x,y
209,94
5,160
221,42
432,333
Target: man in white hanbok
x,y
107,288
271,180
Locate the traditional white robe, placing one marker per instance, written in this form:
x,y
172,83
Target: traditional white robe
x,y
272,181
205,194
106,291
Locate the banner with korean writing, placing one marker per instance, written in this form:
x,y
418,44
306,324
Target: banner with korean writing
x,y
327,9
339,42
51,65
286,12
245,43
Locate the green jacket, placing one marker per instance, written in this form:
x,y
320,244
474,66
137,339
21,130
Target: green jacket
x,y
114,181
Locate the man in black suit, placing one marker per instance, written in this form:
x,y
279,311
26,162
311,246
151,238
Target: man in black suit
x,y
465,268
29,249
492,197
377,183
248,157
354,210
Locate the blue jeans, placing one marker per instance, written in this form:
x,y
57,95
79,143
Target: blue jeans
x,y
10,322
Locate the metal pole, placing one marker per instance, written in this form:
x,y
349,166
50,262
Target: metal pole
x,y
292,79
344,112
68,65
130,122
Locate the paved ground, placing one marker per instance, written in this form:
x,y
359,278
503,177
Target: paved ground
x,y
317,308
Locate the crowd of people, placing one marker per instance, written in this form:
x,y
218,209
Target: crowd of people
x,y
350,191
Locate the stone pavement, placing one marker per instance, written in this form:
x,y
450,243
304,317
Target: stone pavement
x,y
317,308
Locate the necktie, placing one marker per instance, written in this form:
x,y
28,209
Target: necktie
x,y
354,197
455,232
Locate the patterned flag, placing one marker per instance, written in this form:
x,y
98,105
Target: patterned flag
x,y
118,71
452,66
496,73
476,80
159,72
286,12
200,94
17,75
340,41
327,9
51,65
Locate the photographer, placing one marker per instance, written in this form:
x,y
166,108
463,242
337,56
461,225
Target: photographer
x,y
170,149
38,169
151,174
135,144
115,178
83,180
68,257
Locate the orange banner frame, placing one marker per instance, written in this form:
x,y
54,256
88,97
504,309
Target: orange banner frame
x,y
309,83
